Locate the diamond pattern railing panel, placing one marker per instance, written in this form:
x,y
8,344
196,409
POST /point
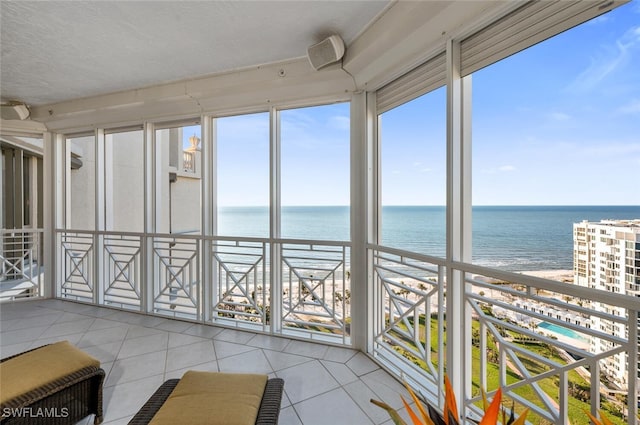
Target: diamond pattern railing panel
x,y
409,317
20,264
176,283
551,350
242,290
77,266
122,270
316,289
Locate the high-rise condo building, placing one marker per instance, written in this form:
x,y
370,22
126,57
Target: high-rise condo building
x,y
606,256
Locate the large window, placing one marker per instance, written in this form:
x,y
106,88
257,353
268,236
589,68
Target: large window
x,y
555,142
413,174
82,194
124,183
179,179
315,172
242,168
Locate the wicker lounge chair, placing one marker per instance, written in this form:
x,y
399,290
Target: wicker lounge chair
x,y
63,401
267,414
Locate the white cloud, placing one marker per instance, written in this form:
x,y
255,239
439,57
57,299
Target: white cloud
x,y
560,116
631,108
340,122
507,168
425,170
610,59
613,149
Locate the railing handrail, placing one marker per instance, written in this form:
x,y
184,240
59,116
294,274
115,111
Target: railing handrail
x,y
403,253
620,300
319,242
26,230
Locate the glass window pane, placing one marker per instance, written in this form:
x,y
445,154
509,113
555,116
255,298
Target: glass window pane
x,y
413,174
243,175
315,172
124,185
179,180
555,142
82,191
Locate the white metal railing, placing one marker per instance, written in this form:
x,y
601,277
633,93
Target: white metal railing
x,y
21,271
316,291
241,286
164,274
176,276
409,318
189,162
555,348
122,270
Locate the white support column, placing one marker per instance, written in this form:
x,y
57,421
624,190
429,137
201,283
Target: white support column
x,y
52,188
151,165
209,211
374,210
104,165
99,179
360,324
275,276
66,176
458,220
633,326
465,222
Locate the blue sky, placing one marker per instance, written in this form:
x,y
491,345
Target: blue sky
x,y
557,124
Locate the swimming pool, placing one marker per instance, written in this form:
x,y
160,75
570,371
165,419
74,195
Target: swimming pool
x,y
562,331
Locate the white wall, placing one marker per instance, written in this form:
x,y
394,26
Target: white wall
x,y
82,185
125,182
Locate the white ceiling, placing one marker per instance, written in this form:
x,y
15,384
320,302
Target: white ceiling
x,y
58,50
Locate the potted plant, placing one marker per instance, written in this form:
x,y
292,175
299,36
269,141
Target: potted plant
x,y
492,411
430,416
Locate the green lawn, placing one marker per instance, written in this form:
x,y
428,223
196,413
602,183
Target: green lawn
x,y
549,385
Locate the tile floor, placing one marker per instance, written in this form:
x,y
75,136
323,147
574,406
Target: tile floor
x,y
323,384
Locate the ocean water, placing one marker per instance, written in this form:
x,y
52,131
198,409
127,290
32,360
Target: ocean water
x,y
514,238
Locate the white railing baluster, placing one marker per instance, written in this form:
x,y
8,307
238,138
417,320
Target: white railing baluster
x,y
20,264
533,364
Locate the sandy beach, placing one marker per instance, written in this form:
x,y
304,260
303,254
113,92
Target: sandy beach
x,y
558,275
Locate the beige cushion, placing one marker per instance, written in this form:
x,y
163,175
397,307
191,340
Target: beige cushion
x,y
36,368
213,398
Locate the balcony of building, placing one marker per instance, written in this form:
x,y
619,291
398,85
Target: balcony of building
x,y
117,241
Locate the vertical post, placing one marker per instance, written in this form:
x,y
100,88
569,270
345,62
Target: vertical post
x,y
18,189
563,397
632,366
209,211
458,223
374,212
50,197
66,173
151,166
466,224
275,275
104,184
360,328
